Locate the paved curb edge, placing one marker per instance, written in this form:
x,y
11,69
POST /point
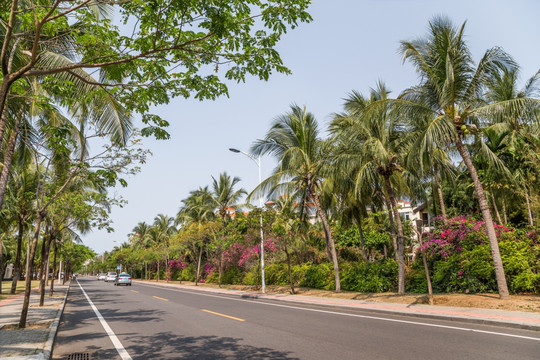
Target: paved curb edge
x,y
47,350
471,320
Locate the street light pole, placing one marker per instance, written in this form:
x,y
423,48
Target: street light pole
x,y
257,160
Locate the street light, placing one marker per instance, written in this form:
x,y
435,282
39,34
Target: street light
x,y
257,160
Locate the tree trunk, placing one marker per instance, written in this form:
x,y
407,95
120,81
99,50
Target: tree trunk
x,y
400,239
329,239
426,269
41,277
529,210
45,271
158,270
29,265
199,266
490,229
8,158
220,270
289,268
439,192
51,290
17,265
1,264
496,208
504,210
362,240
392,226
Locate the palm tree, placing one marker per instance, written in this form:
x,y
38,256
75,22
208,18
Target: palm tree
x,y
224,194
514,135
164,229
294,140
373,148
196,211
225,197
451,94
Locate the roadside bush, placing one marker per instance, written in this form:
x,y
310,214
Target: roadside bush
x,y
276,274
232,276
318,276
459,257
369,277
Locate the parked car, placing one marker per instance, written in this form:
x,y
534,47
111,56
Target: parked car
x,y
111,276
102,276
123,279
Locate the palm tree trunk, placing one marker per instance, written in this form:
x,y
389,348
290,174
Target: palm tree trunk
x,y
439,192
29,266
495,208
51,290
289,267
17,265
400,240
329,239
504,210
362,240
1,264
392,227
45,271
199,266
8,158
490,229
529,210
42,263
220,268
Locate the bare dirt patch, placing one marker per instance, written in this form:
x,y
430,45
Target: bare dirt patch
x,y
28,326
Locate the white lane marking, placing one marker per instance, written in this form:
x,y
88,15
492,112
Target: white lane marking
x,y
354,315
117,344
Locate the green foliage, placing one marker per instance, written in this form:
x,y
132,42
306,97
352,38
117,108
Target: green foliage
x,y
232,275
370,277
276,274
460,259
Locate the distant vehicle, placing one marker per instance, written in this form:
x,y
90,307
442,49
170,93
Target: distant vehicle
x,y
111,276
123,279
102,276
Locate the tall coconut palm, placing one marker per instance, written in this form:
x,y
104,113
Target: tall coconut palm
x,y
374,148
225,198
295,141
225,195
451,93
196,211
514,135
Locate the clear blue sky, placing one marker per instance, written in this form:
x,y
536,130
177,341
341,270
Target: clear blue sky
x,y
350,44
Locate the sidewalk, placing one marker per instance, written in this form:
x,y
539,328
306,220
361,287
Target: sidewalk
x,y
36,340
513,319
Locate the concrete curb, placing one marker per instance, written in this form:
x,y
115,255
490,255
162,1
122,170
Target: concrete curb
x,y
473,319
47,350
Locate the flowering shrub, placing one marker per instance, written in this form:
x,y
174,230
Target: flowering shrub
x,y
174,270
459,255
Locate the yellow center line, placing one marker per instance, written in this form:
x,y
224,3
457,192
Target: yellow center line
x,y
135,291
227,316
157,297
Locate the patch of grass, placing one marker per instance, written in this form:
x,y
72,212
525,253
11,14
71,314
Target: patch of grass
x,y
6,288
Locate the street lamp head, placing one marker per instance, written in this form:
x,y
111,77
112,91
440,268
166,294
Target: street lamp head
x,y
234,150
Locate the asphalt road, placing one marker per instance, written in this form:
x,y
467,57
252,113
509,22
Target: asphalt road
x,y
152,322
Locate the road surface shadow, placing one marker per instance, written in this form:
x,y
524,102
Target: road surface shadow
x,y
167,345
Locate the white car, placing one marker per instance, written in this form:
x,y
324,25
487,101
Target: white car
x,y
102,276
111,276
